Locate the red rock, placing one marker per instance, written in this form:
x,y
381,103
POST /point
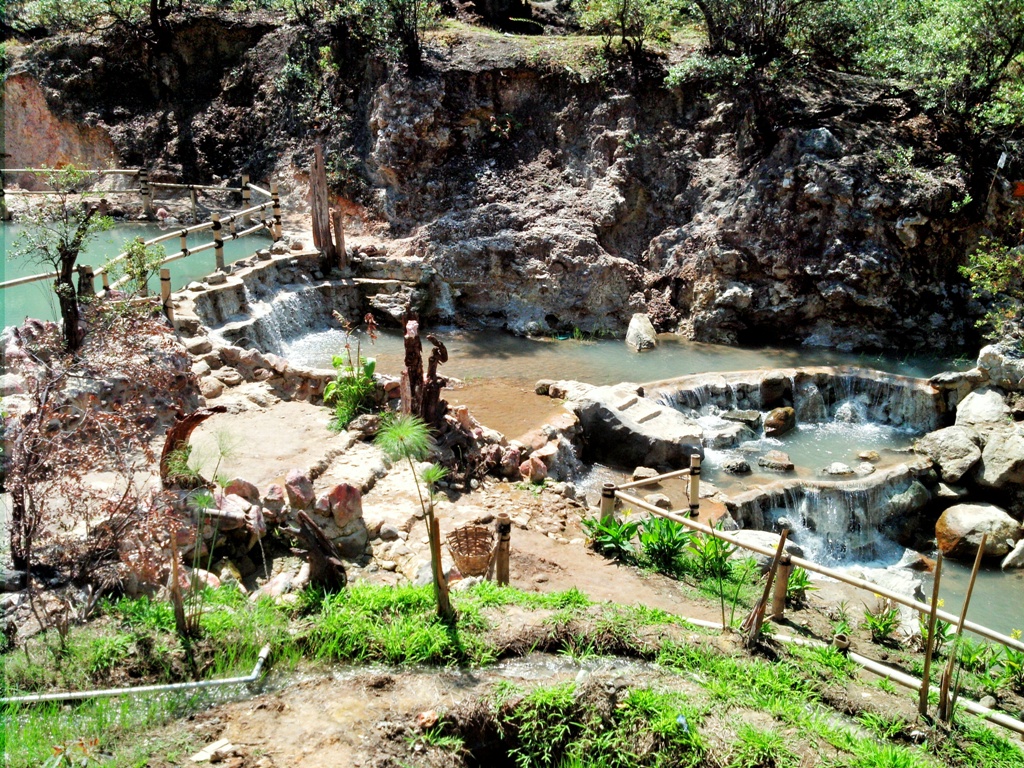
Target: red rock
x,y
533,470
299,488
346,503
275,499
243,488
425,720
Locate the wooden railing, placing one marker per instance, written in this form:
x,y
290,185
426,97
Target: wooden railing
x,y
610,492
217,223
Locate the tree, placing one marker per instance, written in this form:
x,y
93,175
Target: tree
x,y
996,272
408,437
634,22
754,28
55,235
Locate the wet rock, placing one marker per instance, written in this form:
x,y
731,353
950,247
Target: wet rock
x,y
872,456
950,494
864,469
777,461
953,449
779,421
736,466
959,529
1002,459
983,406
727,436
641,334
915,498
1015,558
346,504
299,488
765,539
751,418
838,469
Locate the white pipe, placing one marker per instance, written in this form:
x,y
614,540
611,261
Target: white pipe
x,y
908,681
40,697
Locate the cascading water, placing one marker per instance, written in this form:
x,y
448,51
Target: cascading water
x,y
283,315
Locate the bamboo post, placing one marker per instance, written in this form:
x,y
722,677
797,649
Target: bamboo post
x,y
165,294
184,241
218,242
753,622
504,526
444,605
945,704
339,240
3,201
106,280
86,280
781,587
195,202
146,192
607,502
929,647
694,491
275,195
246,198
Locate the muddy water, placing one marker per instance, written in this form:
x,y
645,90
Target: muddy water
x,y
38,300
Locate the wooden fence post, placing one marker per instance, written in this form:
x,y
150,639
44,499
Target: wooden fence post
x,y
275,195
444,605
86,280
339,240
781,587
184,241
246,198
165,294
504,526
607,502
146,192
195,202
694,484
218,242
320,209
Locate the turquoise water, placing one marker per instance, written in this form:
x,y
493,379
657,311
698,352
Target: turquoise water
x,y
38,300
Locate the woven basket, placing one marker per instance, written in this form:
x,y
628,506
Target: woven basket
x,y
472,547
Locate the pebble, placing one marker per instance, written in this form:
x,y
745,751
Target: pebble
x,y
388,565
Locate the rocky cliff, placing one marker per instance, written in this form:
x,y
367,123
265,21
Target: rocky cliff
x,y
824,212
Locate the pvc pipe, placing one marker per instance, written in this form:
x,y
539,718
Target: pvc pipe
x,y
807,565
908,681
71,696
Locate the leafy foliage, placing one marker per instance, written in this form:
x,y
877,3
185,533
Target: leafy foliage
x,y
634,22
352,389
663,542
996,273
140,263
613,537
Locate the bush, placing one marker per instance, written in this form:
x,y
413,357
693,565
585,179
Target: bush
x,y
996,273
352,391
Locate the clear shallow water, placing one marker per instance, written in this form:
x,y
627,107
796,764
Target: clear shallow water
x,y
38,300
497,355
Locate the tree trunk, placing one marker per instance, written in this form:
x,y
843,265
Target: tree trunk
x,y
178,435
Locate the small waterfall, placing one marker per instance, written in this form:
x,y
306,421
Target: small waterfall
x,y
284,315
810,404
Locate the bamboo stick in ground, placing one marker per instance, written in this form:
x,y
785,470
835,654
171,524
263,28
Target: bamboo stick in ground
x,y
922,704
945,705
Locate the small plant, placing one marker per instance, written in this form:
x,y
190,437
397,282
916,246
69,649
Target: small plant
x,y
612,537
76,754
710,556
436,737
180,472
140,263
353,388
882,621
760,749
943,631
663,542
1012,662
886,685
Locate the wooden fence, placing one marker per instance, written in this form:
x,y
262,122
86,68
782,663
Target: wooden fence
x,y
217,224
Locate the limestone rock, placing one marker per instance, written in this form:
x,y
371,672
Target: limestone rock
x,y
1015,559
953,449
1004,365
915,498
729,435
959,529
644,473
229,376
210,387
751,418
982,406
197,345
838,469
779,421
641,334
776,460
299,488
1002,460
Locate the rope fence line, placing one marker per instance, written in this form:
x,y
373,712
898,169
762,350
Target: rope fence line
x,y
610,492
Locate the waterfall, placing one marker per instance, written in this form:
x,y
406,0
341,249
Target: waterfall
x,y
274,318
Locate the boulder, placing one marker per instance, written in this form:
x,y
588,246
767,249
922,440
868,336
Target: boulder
x,y
959,529
11,580
1004,365
299,488
1016,557
626,429
533,470
210,387
659,500
777,461
765,539
641,334
736,466
366,425
228,376
779,421
751,418
346,504
644,473
982,406
275,499
729,435
511,458
953,449
916,497
1002,459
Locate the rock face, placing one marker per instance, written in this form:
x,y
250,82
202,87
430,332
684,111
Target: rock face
x,y
958,531
953,449
626,429
641,334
